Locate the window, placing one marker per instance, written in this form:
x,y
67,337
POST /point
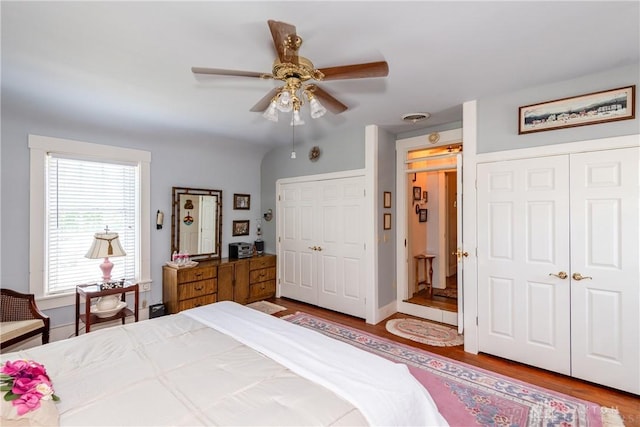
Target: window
x,y
78,189
84,197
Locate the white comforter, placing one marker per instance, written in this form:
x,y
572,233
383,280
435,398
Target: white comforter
x,y
385,392
176,370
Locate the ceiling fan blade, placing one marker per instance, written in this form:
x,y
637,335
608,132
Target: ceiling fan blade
x,y
329,102
222,72
285,40
265,101
356,71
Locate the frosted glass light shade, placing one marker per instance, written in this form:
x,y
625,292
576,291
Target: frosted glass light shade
x,y
284,102
295,119
271,113
317,109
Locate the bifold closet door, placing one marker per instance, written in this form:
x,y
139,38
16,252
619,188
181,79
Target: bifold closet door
x,y
322,243
605,236
523,250
558,264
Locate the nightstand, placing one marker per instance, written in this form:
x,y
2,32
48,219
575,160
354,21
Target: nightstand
x,y
95,291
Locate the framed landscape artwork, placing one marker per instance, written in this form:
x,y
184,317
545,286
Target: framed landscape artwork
x,y
598,107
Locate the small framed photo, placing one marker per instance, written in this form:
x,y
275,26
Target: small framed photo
x,y
242,201
417,193
240,228
425,196
387,199
423,215
387,221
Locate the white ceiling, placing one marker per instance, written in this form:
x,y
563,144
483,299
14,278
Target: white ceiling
x,y
128,64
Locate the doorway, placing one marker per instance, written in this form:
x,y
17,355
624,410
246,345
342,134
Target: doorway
x,y
433,282
429,228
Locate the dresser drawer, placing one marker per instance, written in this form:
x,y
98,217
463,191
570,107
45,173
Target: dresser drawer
x,y
196,289
196,273
262,274
262,262
262,290
196,302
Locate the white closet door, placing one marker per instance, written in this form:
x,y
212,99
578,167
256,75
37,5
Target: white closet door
x,y
604,247
340,255
298,216
322,243
523,237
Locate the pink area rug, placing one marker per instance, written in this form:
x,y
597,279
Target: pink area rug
x,y
471,396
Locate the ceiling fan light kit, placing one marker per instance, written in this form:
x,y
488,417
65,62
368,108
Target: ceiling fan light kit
x,y
295,71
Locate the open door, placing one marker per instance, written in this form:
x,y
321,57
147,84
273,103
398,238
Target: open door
x,y
460,255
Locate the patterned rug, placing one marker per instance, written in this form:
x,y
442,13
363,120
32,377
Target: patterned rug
x,y
425,332
471,396
266,307
446,292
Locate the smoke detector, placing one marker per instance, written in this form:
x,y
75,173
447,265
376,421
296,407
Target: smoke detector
x,y
415,117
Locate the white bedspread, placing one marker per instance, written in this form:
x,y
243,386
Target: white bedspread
x,y
385,392
197,367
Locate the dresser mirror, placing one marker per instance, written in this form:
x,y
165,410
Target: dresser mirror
x,y
196,222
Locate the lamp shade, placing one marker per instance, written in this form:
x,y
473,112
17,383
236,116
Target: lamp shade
x,y
105,245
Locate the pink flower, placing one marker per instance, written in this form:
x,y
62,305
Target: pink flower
x,y
24,385
27,402
13,368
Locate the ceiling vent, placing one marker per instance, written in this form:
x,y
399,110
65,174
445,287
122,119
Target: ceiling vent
x,y
415,117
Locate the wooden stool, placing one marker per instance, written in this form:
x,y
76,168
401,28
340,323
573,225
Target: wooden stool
x,y
427,262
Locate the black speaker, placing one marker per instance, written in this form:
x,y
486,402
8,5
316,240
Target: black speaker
x,y
259,244
156,310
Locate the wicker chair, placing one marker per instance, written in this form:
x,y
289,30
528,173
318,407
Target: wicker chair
x,y
21,318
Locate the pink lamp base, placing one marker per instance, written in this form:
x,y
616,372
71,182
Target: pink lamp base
x,y
106,268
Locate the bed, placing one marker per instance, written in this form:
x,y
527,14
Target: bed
x,y
226,364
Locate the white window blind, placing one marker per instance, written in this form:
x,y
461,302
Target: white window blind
x,y
84,197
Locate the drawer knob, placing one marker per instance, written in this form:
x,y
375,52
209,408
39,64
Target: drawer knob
x,y
199,287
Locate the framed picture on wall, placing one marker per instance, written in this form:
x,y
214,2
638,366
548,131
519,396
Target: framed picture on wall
x,y
423,215
240,228
387,199
241,201
387,221
425,196
598,107
417,193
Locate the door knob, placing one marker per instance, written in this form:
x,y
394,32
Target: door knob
x,y
319,248
313,248
459,254
561,275
578,276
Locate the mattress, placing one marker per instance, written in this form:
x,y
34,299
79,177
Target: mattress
x,y
205,367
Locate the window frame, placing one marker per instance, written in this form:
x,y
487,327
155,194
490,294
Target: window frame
x,y
39,147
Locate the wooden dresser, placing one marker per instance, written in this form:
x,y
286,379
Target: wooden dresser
x,y
240,280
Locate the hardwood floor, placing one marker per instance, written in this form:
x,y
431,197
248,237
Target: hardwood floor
x,y
627,404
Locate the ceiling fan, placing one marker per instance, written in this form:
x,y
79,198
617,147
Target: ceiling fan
x,y
296,72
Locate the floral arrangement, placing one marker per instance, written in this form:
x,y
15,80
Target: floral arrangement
x,y
26,383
